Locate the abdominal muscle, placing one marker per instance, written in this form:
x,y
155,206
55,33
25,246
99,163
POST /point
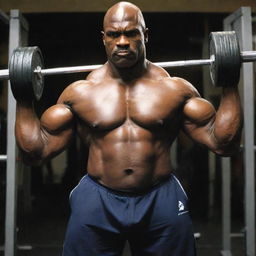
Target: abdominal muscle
x,y
131,164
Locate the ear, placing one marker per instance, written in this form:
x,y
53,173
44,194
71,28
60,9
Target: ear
x,y
103,37
146,35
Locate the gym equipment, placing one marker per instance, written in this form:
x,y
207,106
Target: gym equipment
x,y
26,65
225,51
24,81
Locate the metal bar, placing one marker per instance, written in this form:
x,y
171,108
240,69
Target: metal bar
x,y
20,247
17,35
211,182
226,192
4,74
245,56
11,181
4,18
242,147
66,70
3,158
248,56
241,22
209,93
226,253
226,204
249,158
185,63
237,235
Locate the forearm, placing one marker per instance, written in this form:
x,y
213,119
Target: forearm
x,y
228,122
41,139
28,132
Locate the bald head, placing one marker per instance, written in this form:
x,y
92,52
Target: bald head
x,y
124,12
125,35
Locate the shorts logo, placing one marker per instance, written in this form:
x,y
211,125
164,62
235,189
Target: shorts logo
x,y
181,206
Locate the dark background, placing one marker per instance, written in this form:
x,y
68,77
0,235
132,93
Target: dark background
x,y
73,39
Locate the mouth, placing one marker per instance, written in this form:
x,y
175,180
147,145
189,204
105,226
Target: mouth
x,y
122,53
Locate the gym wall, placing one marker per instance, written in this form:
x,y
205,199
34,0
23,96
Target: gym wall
x,y
216,6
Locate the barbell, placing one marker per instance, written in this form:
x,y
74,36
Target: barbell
x,y
26,70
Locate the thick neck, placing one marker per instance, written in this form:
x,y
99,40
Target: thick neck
x,y
130,73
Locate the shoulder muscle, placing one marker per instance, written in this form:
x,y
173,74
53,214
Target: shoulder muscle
x,y
73,91
181,86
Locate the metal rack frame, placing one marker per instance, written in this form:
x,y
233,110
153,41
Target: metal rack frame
x,y
241,22
18,33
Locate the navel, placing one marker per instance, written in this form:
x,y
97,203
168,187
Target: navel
x,y
129,171
160,122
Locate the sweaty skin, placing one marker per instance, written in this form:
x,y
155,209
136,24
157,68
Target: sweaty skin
x,y
129,111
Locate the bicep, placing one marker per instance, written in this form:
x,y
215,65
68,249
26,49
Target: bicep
x,y
199,117
57,124
57,118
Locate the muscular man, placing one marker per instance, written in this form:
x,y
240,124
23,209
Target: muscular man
x,y
129,111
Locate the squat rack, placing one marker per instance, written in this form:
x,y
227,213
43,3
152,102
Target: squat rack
x,y
241,22
18,34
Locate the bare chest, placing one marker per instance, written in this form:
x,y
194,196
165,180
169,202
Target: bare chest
x,y
111,108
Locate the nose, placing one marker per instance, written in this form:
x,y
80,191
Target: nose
x,y
123,42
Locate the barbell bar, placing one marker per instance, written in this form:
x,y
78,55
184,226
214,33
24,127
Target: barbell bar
x,y
26,70
4,74
246,56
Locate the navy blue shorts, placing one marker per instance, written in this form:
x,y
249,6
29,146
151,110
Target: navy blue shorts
x,y
156,222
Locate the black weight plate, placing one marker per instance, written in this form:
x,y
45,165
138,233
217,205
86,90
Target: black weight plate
x,y
26,67
225,70
32,60
20,88
25,83
36,78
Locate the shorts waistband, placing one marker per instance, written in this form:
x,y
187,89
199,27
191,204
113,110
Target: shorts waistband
x,y
128,193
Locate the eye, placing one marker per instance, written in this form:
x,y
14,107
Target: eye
x,y
132,33
113,34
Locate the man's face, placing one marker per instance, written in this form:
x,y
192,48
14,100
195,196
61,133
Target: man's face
x,y
124,42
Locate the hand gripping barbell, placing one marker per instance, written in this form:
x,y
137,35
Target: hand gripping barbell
x,y
26,71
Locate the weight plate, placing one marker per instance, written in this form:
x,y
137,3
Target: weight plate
x,y
15,73
36,78
224,48
25,83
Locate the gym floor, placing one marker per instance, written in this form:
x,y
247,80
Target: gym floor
x,y
41,232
